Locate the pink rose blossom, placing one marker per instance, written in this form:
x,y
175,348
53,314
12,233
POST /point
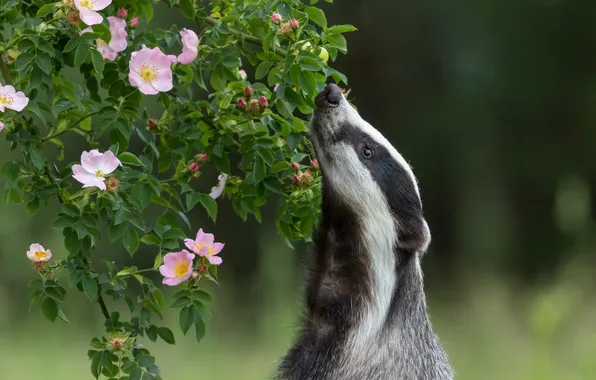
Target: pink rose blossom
x,y
190,49
1,126
117,43
37,253
218,189
11,99
134,22
94,167
87,10
150,70
177,267
204,245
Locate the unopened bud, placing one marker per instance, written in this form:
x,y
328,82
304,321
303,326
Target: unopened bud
x,y
134,22
40,266
123,13
194,274
112,184
12,55
248,91
117,343
193,167
295,179
295,166
263,102
276,18
242,74
306,177
201,157
202,268
294,24
315,163
73,17
241,104
285,28
152,124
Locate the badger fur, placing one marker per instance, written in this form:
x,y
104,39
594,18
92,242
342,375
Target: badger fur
x,y
366,315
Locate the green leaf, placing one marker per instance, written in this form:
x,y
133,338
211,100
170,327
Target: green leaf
x,y
130,159
55,293
150,239
81,54
49,309
217,82
187,8
202,295
11,171
259,170
337,29
167,335
97,363
72,44
98,62
44,63
131,240
209,204
45,10
23,60
186,319
262,70
307,82
317,16
90,287
104,32
200,330
310,64
37,157
337,41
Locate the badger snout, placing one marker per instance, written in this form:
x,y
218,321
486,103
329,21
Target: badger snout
x,y
330,97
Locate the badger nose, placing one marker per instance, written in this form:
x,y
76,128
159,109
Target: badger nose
x,y
330,97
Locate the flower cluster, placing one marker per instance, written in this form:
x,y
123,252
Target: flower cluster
x,y
179,266
303,177
252,105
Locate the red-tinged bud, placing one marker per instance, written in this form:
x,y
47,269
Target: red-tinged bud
x,y
276,18
248,91
202,268
295,166
203,156
295,179
242,104
152,124
193,167
315,163
134,22
123,13
294,24
263,102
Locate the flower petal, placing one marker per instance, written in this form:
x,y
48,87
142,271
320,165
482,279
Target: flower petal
x,y
19,102
91,161
190,244
164,81
1,126
118,30
217,247
109,162
98,5
215,260
173,281
188,56
90,17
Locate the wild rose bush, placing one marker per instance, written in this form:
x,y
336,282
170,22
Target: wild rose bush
x,y
83,67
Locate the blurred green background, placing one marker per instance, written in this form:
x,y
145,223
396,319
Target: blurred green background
x,y
493,103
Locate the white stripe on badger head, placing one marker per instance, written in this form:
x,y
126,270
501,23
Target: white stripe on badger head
x,y
352,117
354,183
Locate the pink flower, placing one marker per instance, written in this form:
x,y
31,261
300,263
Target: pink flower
x,y
150,70
193,167
87,10
134,22
37,253
1,126
123,13
94,166
315,163
177,267
204,245
218,189
276,18
11,99
190,49
118,41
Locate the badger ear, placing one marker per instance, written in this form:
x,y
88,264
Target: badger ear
x,y
415,238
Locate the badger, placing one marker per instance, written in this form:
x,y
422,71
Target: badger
x,y
366,315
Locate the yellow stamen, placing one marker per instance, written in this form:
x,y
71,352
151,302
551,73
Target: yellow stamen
x,y
99,173
5,99
148,73
209,248
39,255
181,269
88,4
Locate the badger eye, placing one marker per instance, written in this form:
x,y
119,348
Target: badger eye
x,y
367,152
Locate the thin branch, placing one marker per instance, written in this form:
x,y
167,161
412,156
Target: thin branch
x,y
70,126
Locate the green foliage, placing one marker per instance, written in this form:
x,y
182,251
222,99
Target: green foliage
x,y
254,146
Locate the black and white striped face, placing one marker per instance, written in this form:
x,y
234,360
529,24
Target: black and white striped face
x,y
362,168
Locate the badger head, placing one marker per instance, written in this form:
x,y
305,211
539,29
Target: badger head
x,y
364,172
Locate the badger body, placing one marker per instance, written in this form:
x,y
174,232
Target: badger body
x,y
365,316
